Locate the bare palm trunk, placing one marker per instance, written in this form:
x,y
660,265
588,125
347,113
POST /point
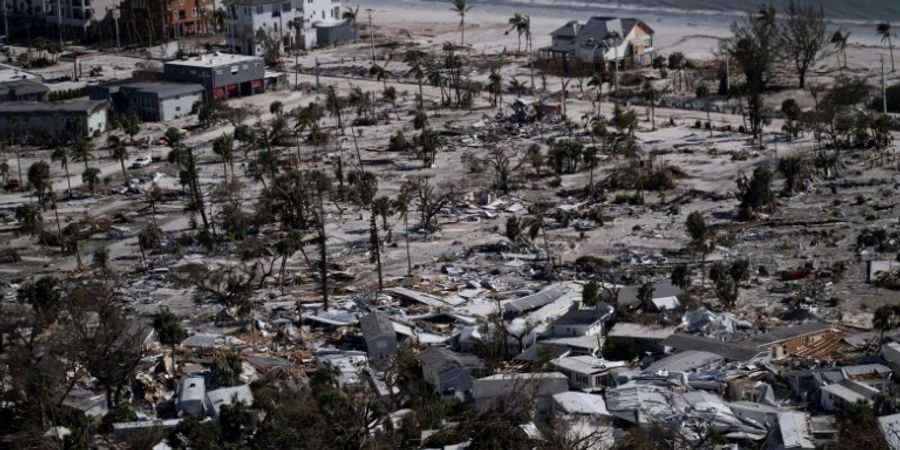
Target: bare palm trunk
x,y
408,258
376,244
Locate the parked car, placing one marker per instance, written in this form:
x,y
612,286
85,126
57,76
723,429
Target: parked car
x,y
142,161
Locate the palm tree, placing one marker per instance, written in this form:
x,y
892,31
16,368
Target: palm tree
x,y
495,87
517,87
885,30
297,24
596,82
515,23
839,41
39,179
401,207
91,176
149,239
169,330
380,73
350,15
460,7
286,247
652,95
119,152
614,39
537,226
335,105
61,154
415,60
223,147
82,151
703,94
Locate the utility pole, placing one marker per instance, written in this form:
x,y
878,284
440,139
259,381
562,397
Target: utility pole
x,y
59,28
116,13
371,35
883,87
317,74
5,25
727,74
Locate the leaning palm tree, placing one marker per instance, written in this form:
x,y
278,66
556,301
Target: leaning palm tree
x,y
460,7
350,16
61,154
91,177
839,41
119,152
885,30
82,151
401,207
596,82
381,73
537,226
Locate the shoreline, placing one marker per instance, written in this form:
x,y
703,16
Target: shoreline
x,y
862,31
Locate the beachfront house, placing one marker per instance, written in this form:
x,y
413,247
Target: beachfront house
x,y
257,27
602,42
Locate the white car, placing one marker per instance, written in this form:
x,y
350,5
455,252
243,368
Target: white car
x,y
142,161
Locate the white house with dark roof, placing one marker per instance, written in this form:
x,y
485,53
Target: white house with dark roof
x,y
601,41
251,24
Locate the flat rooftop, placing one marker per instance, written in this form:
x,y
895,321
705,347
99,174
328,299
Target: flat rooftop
x,y
71,106
214,60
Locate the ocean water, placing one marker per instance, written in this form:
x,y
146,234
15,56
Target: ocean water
x,y
849,11
857,15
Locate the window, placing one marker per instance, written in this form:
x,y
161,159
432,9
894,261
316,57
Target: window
x,y
218,71
234,70
259,9
177,108
323,14
285,7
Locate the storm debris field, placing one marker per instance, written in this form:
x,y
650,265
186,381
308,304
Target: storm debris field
x,y
445,234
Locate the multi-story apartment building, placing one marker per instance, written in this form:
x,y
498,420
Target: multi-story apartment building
x,y
172,18
252,26
76,17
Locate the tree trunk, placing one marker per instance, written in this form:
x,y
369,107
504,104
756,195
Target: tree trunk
x,y
323,268
408,258
124,172
377,247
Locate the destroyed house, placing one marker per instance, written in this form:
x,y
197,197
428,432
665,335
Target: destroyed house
x,y
227,396
580,403
794,431
660,299
648,338
378,331
532,302
586,372
840,397
510,387
688,361
450,373
813,339
730,351
191,396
